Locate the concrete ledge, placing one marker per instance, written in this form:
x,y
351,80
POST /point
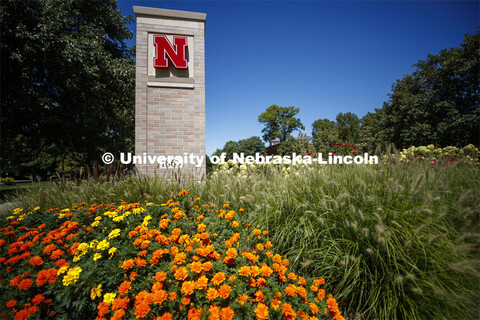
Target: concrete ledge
x,y
167,13
170,79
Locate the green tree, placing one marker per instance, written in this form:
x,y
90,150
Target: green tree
x,y
67,83
248,146
348,127
324,135
437,104
279,122
301,145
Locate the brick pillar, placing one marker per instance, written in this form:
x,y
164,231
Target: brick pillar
x,y
170,103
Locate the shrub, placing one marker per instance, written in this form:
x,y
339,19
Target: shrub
x,y
8,181
178,260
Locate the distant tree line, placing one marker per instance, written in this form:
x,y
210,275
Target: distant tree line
x,y
437,104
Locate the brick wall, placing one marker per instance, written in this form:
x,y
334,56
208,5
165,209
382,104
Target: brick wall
x,y
170,106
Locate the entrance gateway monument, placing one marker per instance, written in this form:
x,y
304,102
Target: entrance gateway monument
x,y
170,88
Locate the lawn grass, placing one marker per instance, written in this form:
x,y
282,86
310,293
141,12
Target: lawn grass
x,y
393,241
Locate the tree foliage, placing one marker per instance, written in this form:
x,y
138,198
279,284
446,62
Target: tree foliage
x,y
67,83
279,122
324,134
437,104
248,146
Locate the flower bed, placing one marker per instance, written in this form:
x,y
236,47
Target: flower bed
x,y
178,260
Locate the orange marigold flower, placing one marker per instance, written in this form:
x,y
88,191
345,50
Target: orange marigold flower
x,y
102,309
232,252
244,271
261,311
313,308
187,287
319,282
120,303
56,254
201,283
290,290
166,316
227,313
141,310
207,266
194,313
181,273
313,288
214,312
11,303
180,258
276,303
38,299
124,287
212,294
259,296
25,284
288,312
242,299
140,262
48,249
185,301
160,276
35,261
292,276
224,291
128,264
196,266
159,297
172,296
302,281
265,270
321,294
218,278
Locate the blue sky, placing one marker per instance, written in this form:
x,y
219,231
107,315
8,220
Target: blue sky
x,y
323,57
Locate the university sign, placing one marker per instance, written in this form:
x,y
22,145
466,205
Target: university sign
x,y
170,88
176,52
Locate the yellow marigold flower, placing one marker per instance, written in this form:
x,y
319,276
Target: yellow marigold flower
x,y
149,204
109,297
244,271
201,227
93,244
62,270
102,245
212,294
95,224
112,251
10,217
97,256
119,218
72,276
83,247
115,233
96,292
36,208
261,311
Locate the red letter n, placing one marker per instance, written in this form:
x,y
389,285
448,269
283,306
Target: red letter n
x,y
176,53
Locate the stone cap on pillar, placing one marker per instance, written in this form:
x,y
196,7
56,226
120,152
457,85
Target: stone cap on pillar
x,y
167,13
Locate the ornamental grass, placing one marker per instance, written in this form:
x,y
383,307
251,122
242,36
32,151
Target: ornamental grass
x,y
179,260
